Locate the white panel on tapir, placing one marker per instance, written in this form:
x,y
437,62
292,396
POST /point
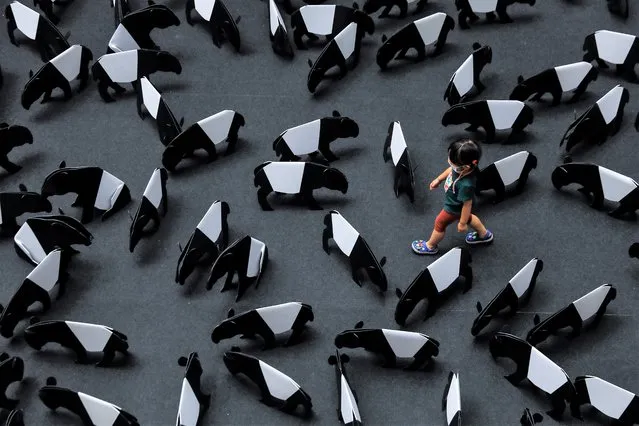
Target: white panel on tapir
x,y
189,409
445,269
430,27
521,281
504,113
344,234
121,67
464,78
280,318
544,373
285,176
510,168
403,343
615,186
279,385
68,62
346,40
608,398
205,8
93,337
612,46
398,143
303,139
572,74
483,6
318,18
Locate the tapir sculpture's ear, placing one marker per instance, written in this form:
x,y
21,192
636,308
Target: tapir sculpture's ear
x,y
239,18
336,113
382,262
359,324
62,165
34,320
536,319
181,121
344,358
538,417
310,63
236,349
479,309
150,2
231,313
4,356
1,309
51,381
30,73
398,292
520,79
182,361
332,360
384,38
355,6
22,187
476,46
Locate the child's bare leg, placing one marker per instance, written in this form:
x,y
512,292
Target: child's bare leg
x,y
435,238
476,224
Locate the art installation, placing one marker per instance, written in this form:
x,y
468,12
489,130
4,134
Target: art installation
x,y
266,322
11,371
347,410
59,72
468,10
431,30
556,81
81,337
98,191
207,134
14,204
31,24
601,120
540,371
277,32
248,257
338,52
600,184
207,241
128,67
91,410
314,136
582,314
133,31
296,177
435,283
155,105
391,345
491,115
12,136
617,48
506,172
193,401
327,21
466,78
451,402
221,24
45,284
278,390
154,201
404,179
516,294
611,400
40,235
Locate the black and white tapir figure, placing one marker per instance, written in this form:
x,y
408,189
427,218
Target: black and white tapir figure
x,y
600,184
59,72
619,8
404,180
12,136
327,20
435,282
11,371
556,81
14,204
36,27
221,24
266,322
155,105
542,372
277,32
515,295
154,202
314,136
504,173
633,251
15,418
248,257
128,67
45,284
617,403
391,345
207,134
296,177
530,419
460,87
347,410
582,314
355,247
430,30
40,235
468,10
209,239
278,390
47,7
451,401
372,6
92,410
97,190
134,29
338,52
492,115
193,401
619,49
600,121
81,337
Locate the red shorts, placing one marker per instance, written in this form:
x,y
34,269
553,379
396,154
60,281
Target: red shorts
x,y
444,219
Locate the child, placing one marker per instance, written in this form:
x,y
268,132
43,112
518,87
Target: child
x,y
460,181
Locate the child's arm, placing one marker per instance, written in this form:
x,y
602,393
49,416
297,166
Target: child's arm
x,y
439,179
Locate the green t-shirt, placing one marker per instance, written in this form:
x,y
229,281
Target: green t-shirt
x,y
464,191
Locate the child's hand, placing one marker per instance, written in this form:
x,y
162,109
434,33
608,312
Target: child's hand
x,y
462,227
434,184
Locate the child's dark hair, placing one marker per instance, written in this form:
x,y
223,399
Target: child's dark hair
x,y
464,152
